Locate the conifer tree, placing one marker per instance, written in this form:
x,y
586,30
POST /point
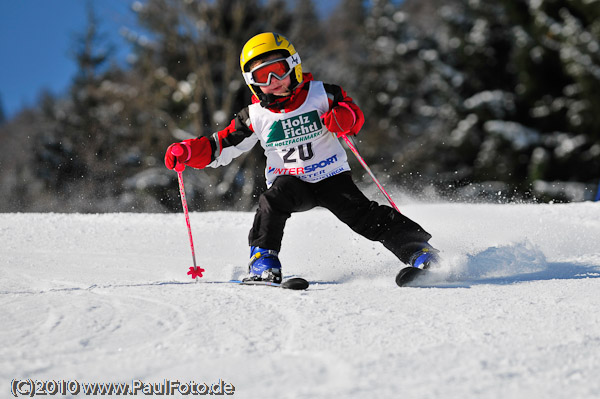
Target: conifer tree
x,y
495,90
531,88
192,85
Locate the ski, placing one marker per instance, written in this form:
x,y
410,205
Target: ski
x,y
295,283
408,275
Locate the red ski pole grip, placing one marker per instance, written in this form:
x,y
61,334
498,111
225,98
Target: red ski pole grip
x,y
177,150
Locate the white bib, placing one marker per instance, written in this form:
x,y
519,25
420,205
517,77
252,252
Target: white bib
x,y
297,143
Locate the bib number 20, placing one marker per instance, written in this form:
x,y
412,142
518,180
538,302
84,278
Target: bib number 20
x,y
304,151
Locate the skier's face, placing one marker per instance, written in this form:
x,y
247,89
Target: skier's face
x,y
277,87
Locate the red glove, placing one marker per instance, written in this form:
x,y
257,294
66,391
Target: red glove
x,y
196,153
176,155
340,119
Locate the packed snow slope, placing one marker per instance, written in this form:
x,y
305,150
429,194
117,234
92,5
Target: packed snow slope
x,y
513,313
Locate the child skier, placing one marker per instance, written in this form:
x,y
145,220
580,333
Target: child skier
x,y
296,119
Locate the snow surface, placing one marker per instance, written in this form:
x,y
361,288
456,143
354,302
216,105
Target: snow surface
x,y
514,313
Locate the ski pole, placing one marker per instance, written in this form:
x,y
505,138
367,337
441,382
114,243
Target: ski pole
x,y
194,271
364,164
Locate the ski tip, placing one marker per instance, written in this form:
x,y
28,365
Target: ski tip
x,y
407,275
295,283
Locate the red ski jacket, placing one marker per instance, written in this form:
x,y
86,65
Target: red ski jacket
x,y
240,127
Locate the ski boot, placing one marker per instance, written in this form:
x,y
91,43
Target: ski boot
x,y
420,261
425,257
264,266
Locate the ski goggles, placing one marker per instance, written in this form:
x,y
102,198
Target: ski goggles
x,y
280,68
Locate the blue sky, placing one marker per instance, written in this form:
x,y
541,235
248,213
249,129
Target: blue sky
x,y
36,37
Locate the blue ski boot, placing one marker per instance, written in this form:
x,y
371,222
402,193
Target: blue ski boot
x,y
425,257
264,265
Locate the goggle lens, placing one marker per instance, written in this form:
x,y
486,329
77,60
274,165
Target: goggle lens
x,y
279,69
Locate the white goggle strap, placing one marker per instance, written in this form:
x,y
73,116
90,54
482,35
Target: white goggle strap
x,y
292,61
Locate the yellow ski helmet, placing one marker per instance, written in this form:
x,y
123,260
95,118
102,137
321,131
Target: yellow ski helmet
x,y
262,44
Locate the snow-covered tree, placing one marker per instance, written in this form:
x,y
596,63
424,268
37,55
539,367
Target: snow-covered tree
x,y
192,85
486,90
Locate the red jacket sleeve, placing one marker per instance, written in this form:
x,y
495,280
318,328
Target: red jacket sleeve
x,y
222,146
204,150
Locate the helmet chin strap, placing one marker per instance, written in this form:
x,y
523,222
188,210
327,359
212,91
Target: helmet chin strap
x,y
267,99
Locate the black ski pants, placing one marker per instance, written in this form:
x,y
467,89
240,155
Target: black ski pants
x,y
340,195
